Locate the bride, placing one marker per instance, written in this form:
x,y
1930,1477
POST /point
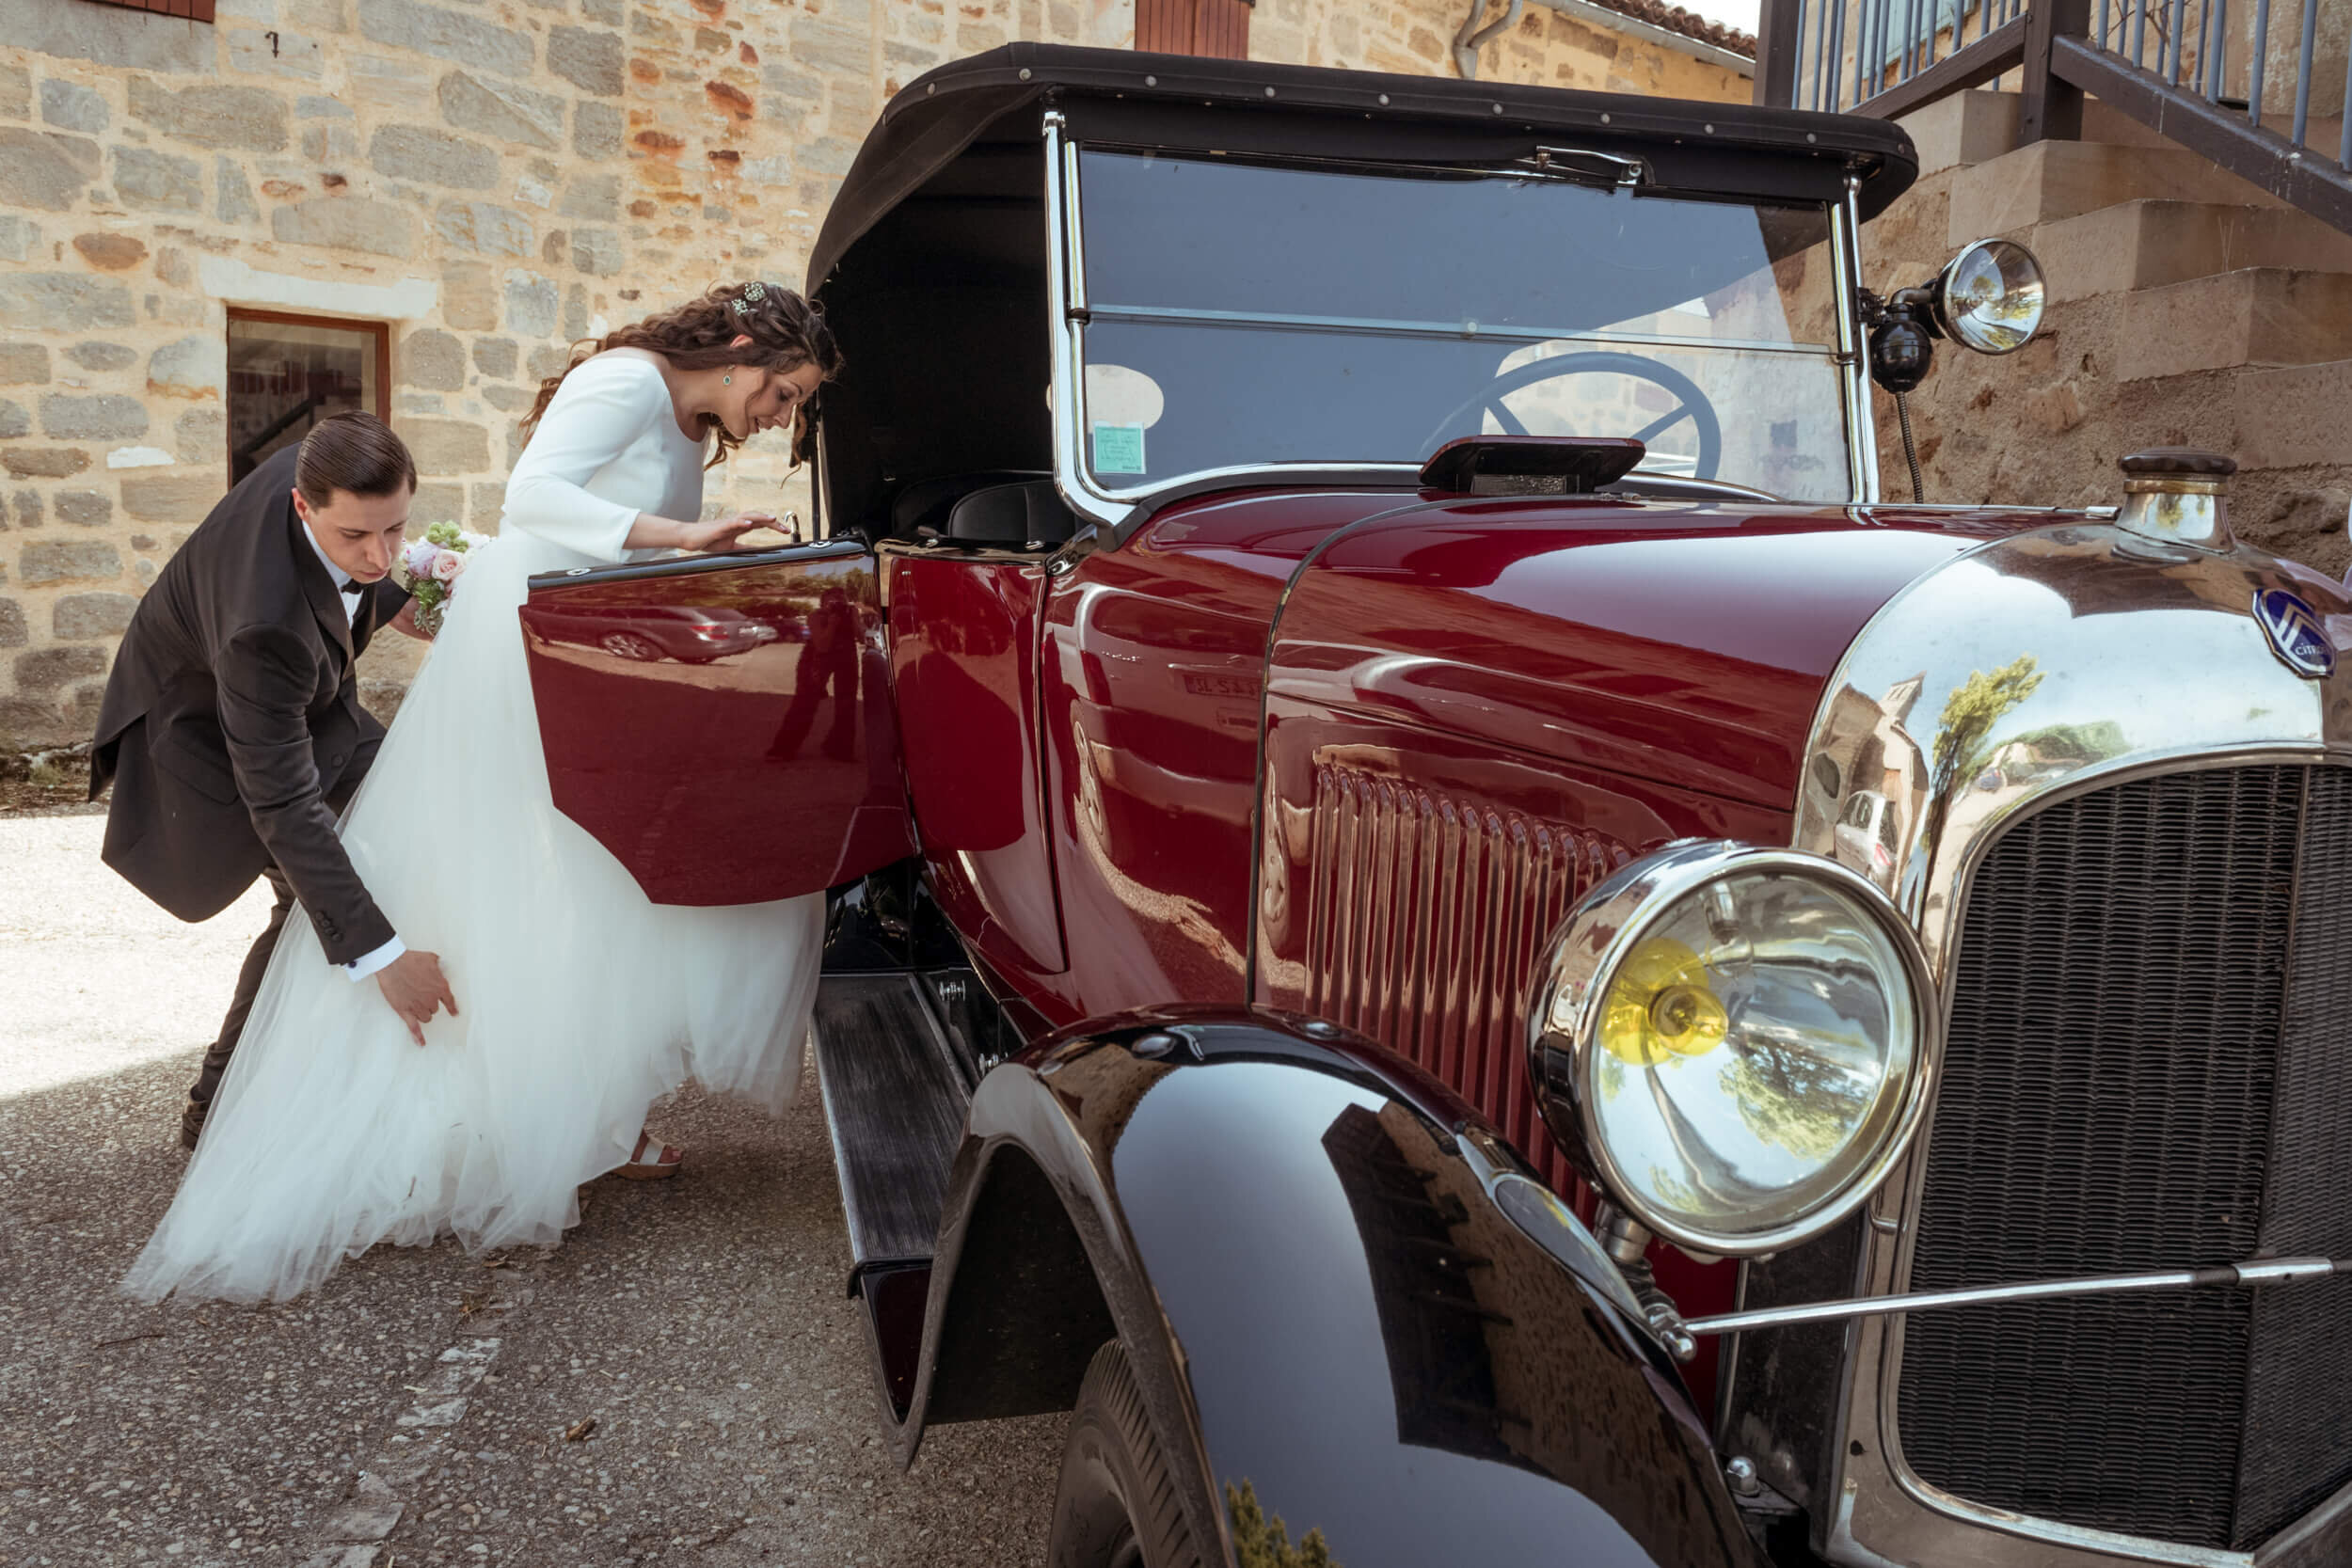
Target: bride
x,y
582,1001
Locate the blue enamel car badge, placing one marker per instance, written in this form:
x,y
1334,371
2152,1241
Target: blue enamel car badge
x,y
2294,632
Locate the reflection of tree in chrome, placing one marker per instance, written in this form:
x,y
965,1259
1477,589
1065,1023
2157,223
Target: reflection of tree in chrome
x,y
1969,714
1262,1542
1803,1102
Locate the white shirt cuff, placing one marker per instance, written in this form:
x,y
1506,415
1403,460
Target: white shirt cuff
x,y
367,964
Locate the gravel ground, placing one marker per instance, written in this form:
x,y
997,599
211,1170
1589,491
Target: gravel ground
x,y
415,1410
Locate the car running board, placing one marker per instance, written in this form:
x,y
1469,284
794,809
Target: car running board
x,y
894,1098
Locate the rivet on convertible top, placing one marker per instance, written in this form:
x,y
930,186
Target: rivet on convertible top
x,y
1711,129
1024,72
1498,108
1604,119
1151,81
930,88
1159,1043
1269,92
1320,1028
1384,98
1810,136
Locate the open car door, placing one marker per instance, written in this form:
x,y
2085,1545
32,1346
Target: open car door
x,y
723,723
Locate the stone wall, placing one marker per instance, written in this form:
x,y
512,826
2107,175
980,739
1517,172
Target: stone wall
x,y
494,179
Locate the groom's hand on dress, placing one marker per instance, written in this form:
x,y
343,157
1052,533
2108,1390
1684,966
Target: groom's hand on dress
x,y
415,987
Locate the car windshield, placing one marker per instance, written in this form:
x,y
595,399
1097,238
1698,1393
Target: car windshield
x,y
1247,313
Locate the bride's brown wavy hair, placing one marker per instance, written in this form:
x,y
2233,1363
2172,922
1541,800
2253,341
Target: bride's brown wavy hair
x,y
786,333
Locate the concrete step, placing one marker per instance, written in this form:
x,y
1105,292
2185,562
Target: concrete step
x,y
2050,181
2148,245
2255,316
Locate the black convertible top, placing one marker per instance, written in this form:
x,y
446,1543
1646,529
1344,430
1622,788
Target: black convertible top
x,y
1180,100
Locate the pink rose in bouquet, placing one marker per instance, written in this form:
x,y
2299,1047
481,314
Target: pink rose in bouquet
x,y
430,567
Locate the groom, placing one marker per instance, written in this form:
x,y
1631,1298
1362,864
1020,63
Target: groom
x,y
233,731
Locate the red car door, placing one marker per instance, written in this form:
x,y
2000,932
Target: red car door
x,y
722,724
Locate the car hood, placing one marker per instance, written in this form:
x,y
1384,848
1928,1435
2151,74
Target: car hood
x,y
1678,641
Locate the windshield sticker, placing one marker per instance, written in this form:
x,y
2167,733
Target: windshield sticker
x,y
1119,448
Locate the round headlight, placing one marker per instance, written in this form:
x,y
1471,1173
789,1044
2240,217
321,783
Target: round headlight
x,y
1735,1041
1989,298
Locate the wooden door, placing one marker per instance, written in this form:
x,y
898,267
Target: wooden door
x,y
1219,28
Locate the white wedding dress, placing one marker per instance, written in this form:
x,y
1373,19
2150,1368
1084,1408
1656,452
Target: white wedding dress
x,y
582,1002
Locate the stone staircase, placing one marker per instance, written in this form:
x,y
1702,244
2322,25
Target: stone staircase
x,y
2187,307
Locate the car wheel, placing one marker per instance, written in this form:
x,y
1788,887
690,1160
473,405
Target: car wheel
x,y
1116,1506
629,646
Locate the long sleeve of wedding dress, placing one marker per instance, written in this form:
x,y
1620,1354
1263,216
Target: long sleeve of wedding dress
x,y
582,1001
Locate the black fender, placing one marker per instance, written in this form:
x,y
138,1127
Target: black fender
x,y
1348,1302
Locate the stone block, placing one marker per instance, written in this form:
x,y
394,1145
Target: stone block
x,y
135,41
432,158
432,359
351,222
13,632
108,416
531,304
446,446
832,50
321,108
49,668
606,11
484,226
510,400
158,182
329,144
44,169
250,119
597,130
18,238
437,503
83,508
486,505
597,252
511,113
232,198
595,197
2053,179
193,367
446,34
590,61
71,106
468,296
575,314
548,359
15,421
44,462
63,302
495,356
280,52
402,87
2257,316
28,509
91,615
180,498
103,358
24,365
201,435
47,561
110,252
16,92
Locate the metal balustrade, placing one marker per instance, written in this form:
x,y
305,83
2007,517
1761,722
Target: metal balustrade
x,y
2259,87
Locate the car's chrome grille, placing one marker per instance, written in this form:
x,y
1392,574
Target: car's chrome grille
x,y
1427,918
2147,1067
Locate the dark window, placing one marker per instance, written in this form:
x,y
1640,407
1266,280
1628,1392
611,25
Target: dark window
x,y
195,10
1219,28
288,372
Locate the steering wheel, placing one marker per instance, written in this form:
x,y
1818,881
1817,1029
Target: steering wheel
x,y
1690,402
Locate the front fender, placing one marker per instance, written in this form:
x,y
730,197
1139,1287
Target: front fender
x,y
1345,1299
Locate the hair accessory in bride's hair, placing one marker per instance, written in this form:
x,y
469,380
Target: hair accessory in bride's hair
x,y
753,295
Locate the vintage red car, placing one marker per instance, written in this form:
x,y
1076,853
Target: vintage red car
x,y
1444,924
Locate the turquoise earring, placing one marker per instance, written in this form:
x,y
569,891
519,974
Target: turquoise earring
x,y
726,381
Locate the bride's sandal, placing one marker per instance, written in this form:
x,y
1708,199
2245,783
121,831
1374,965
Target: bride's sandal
x,y
663,1163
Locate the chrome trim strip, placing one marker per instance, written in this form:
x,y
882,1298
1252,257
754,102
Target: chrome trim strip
x,y
2279,1271
2147,662
1065,285
1861,439
1468,331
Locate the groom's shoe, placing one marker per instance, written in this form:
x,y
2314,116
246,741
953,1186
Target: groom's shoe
x,y
192,1120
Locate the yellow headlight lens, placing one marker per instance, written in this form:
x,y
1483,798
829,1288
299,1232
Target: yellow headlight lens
x,y
1660,1005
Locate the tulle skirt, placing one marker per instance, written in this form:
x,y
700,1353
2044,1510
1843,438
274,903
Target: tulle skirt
x,y
582,1002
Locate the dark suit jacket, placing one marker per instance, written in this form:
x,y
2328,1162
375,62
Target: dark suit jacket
x,y
231,713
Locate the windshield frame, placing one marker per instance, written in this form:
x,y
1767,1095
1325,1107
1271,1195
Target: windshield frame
x,y
1069,311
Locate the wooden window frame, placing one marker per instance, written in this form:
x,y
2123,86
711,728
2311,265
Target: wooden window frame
x,y
189,10
382,331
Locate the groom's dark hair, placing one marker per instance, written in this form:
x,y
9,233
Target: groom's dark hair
x,y
355,452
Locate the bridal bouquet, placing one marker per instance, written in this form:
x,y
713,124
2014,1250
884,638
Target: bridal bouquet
x,y
430,567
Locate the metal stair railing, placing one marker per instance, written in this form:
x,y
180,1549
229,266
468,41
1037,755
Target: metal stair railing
x,y
2259,87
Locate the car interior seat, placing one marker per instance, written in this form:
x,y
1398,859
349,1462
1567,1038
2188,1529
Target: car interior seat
x,y
920,511
1029,512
